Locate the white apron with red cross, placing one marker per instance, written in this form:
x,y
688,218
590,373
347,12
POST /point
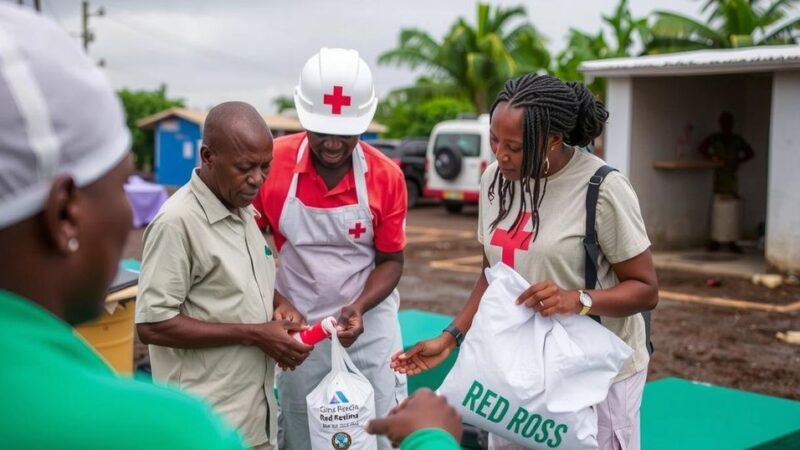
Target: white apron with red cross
x,y
324,264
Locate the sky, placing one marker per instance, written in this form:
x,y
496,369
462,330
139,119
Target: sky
x,y
207,51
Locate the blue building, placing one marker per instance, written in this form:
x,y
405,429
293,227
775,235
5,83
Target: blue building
x,y
178,136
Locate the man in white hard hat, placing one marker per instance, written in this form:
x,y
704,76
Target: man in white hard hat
x,y
64,219
337,207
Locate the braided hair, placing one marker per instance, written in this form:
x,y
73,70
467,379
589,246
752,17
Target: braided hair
x,y
550,107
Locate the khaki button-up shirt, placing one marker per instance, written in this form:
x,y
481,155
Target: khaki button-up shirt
x,y
205,262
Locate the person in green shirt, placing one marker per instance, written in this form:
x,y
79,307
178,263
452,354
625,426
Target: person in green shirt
x,y
423,421
731,151
64,220
58,393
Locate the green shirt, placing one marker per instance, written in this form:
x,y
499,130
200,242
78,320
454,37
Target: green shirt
x,y
58,393
429,439
730,149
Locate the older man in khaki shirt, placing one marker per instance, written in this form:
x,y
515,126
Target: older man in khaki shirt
x,y
205,301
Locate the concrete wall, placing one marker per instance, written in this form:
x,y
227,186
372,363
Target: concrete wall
x,y
783,220
676,203
617,145
753,123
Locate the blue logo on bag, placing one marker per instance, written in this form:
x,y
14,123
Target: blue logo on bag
x,y
339,397
341,441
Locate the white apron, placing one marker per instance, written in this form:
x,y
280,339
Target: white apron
x,y
323,266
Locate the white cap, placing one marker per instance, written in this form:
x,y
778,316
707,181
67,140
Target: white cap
x,y
335,94
58,114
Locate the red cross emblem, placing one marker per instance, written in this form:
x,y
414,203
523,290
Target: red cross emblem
x,y
512,240
337,99
357,230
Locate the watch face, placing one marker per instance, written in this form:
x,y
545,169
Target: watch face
x,y
585,299
457,334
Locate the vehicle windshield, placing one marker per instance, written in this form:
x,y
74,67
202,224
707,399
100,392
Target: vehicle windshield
x,y
469,144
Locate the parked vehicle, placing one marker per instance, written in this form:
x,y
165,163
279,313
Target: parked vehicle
x,y
409,154
458,153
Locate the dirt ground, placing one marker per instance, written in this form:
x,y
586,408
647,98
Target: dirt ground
x,y
722,345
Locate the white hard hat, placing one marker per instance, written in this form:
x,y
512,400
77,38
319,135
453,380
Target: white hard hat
x,y
58,114
335,94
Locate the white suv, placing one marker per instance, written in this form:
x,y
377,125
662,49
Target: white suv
x,y
458,153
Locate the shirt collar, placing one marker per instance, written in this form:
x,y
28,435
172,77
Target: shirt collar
x,y
306,165
212,206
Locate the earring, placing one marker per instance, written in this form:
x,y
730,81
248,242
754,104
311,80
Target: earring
x,y
546,166
73,245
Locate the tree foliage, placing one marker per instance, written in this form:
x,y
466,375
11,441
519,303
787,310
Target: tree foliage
x,y
626,33
728,24
474,60
405,118
139,104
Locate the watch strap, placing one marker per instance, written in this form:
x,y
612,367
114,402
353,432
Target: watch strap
x,y
456,333
584,307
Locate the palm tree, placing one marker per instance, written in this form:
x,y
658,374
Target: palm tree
x,y
473,61
624,29
283,103
730,24
581,47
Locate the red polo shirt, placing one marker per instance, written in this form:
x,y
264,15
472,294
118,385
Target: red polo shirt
x,y
386,187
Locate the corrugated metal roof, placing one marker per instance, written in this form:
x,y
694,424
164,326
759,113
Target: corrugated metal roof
x,y
751,59
191,115
280,122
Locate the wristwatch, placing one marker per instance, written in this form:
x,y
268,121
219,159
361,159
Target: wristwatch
x,y
457,334
586,302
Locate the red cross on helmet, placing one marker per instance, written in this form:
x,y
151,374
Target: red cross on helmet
x,y
335,94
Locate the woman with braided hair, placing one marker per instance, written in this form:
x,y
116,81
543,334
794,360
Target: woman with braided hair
x,y
533,217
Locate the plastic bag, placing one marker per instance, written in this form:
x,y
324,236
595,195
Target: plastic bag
x,y
341,405
531,379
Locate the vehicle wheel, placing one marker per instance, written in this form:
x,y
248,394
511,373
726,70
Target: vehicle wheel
x,y
453,207
413,193
447,162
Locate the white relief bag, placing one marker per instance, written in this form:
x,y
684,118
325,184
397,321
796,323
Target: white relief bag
x,y
529,379
341,405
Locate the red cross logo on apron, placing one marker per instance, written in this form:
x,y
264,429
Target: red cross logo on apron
x,y
512,240
337,99
357,230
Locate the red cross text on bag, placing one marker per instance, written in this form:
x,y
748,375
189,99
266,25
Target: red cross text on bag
x,y
512,240
357,230
337,99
